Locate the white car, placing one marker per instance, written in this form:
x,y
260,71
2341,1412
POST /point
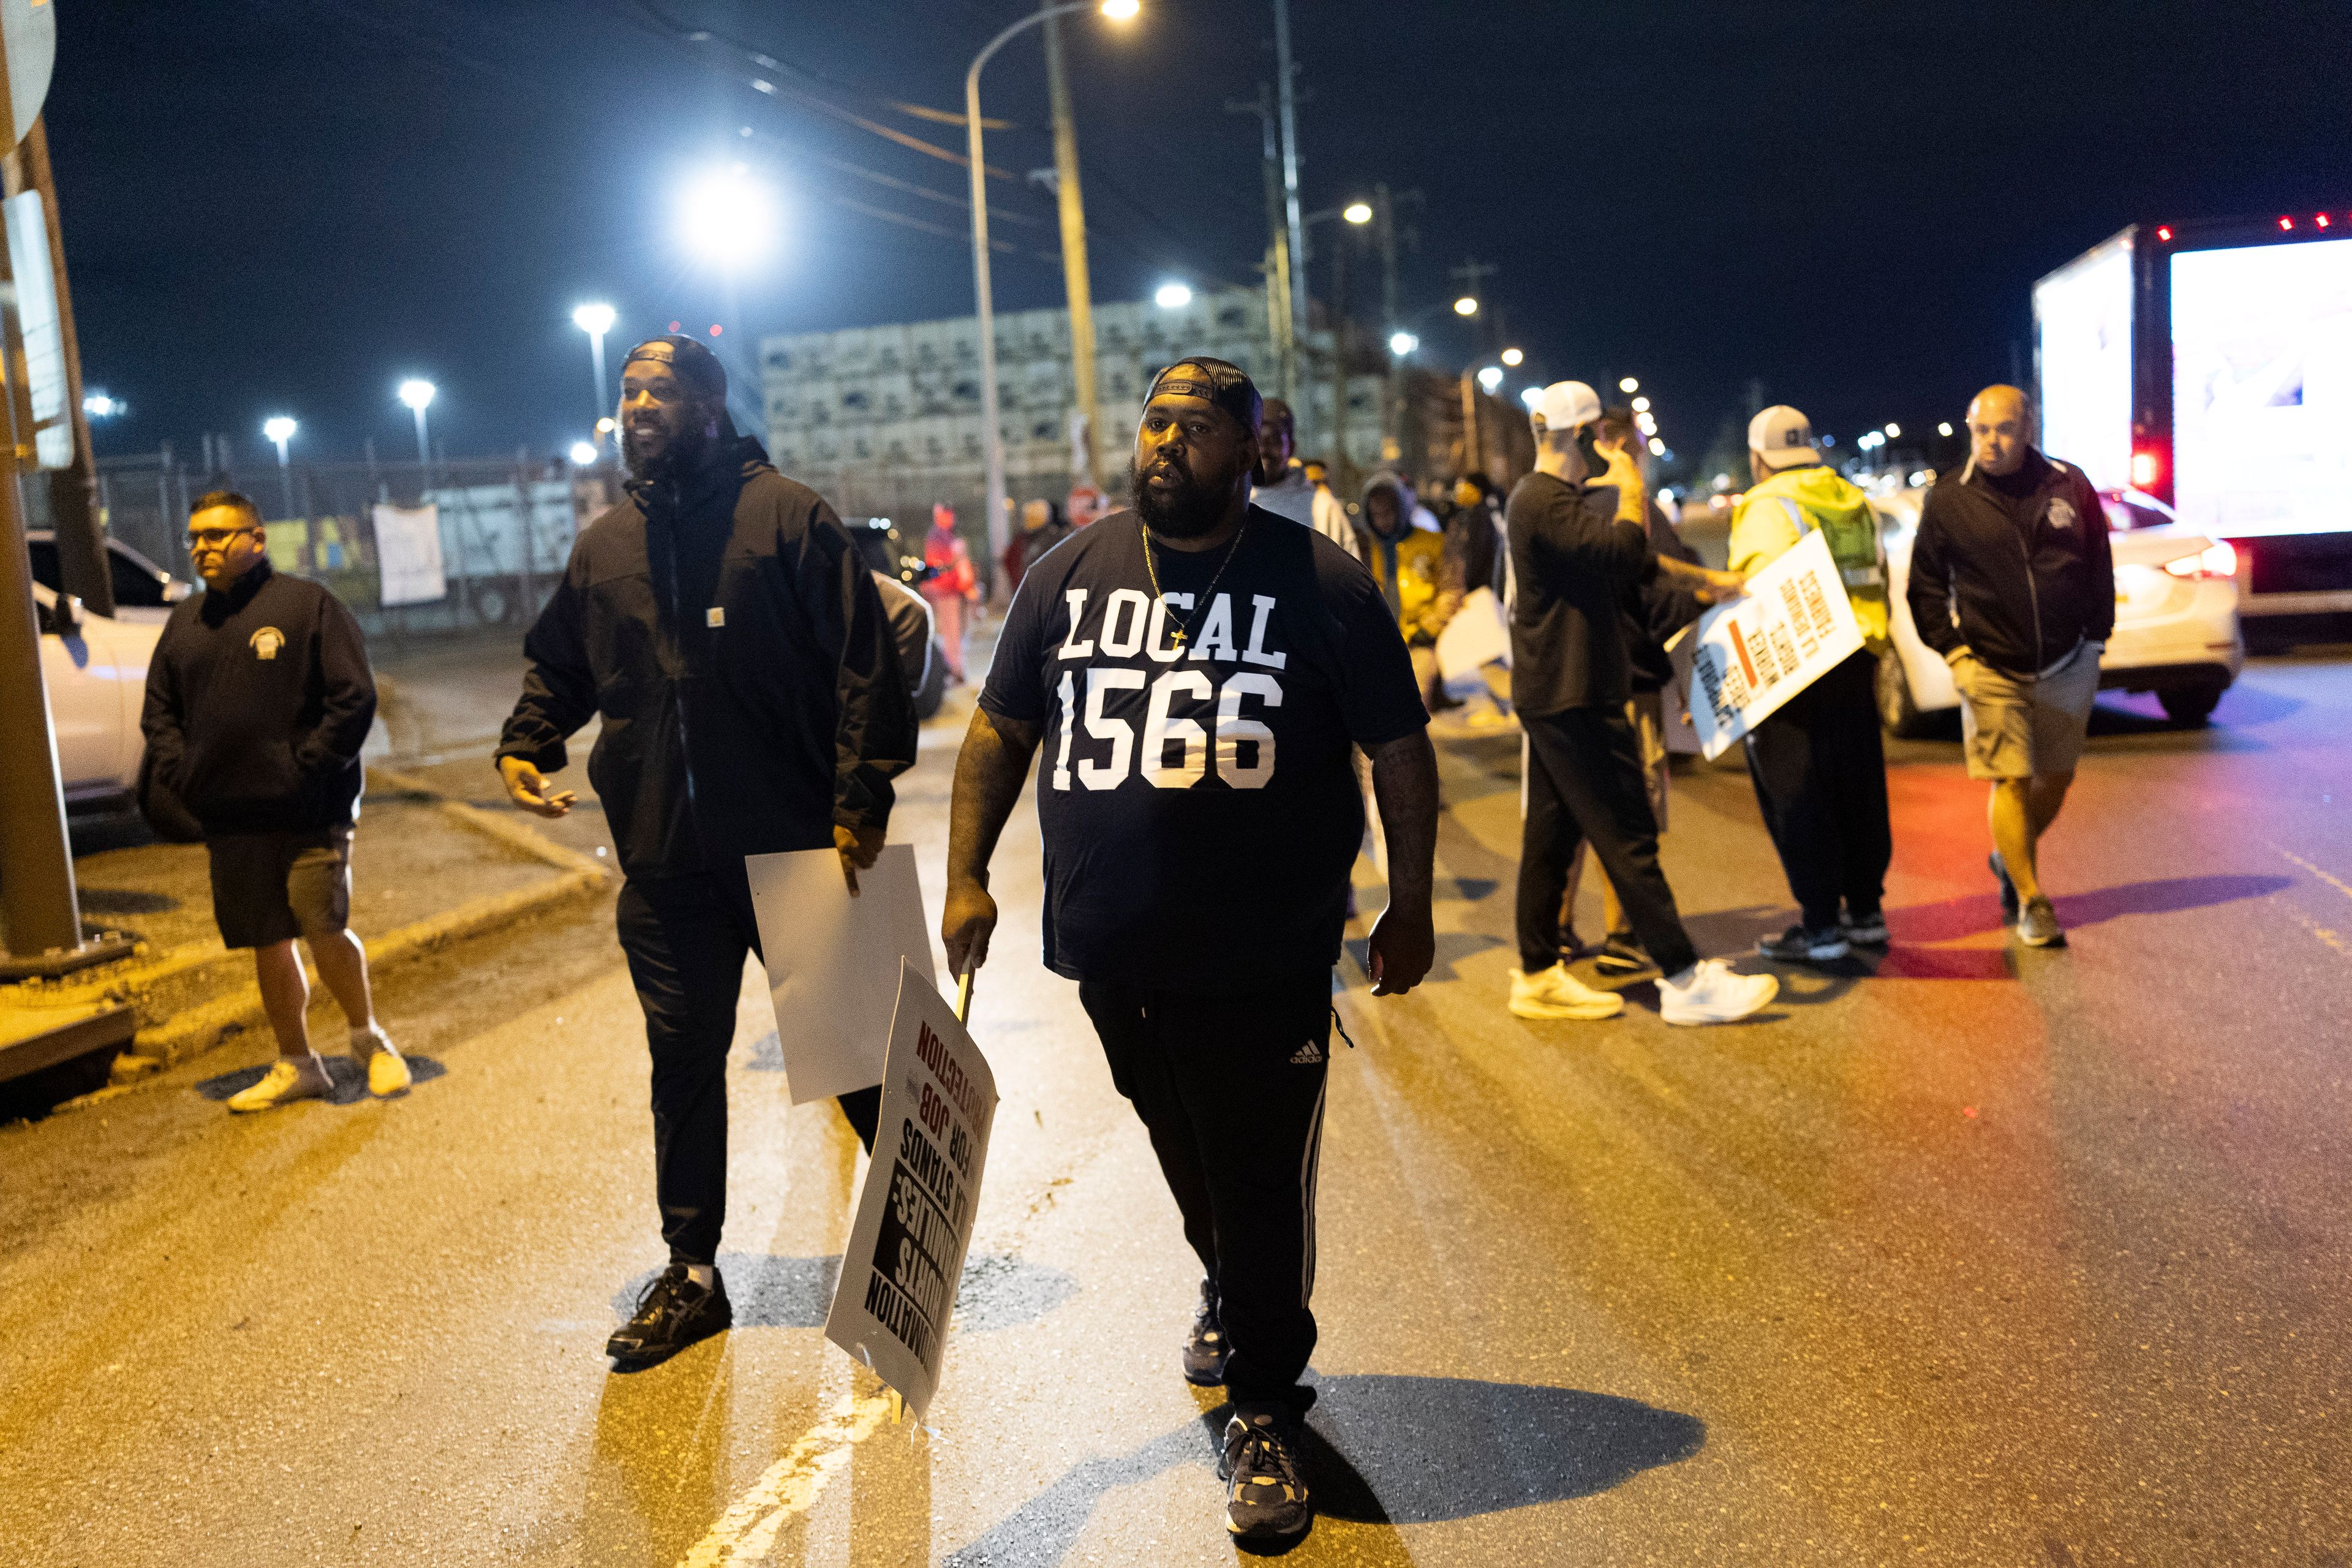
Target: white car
x,y
142,590
96,671
2176,614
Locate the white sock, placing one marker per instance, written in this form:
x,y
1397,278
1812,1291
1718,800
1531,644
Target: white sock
x,y
703,1274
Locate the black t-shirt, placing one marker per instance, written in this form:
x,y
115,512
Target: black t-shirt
x,y
1198,802
1571,561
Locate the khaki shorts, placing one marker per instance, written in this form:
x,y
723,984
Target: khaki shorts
x,y
269,888
2014,729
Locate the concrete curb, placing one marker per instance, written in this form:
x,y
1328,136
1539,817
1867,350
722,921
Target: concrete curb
x,y
194,1029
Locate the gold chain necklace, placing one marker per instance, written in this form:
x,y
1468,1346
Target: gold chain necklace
x,y
1183,632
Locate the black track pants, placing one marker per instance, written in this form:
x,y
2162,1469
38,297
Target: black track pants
x,y
1584,782
1231,1089
1820,769
687,938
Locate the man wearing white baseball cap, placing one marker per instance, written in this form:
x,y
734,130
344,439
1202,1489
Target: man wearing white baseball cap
x,y
1578,537
1818,764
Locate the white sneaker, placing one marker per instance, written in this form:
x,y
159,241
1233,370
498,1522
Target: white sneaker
x,y
1712,993
289,1079
387,1069
1554,993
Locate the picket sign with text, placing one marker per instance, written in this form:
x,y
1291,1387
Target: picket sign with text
x,y
832,959
1751,655
905,1255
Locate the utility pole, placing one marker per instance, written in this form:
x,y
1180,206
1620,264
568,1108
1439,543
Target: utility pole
x,y
1342,471
1294,226
1280,324
1392,386
1074,242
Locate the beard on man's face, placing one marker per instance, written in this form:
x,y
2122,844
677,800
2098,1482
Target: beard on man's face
x,y
667,441
1180,507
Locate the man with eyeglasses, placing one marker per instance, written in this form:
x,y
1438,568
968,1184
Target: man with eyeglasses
x,y
258,698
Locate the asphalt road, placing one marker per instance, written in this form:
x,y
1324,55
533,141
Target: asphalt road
x,y
1985,1258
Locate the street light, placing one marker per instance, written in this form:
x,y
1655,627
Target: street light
x,y
596,321
99,405
1894,431
1465,306
992,435
1629,385
1403,343
1490,378
1513,357
726,216
583,454
1531,396
1173,296
1945,428
1356,212
280,430
1641,405
417,394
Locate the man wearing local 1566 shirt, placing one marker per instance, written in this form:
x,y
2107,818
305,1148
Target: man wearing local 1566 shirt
x,y
1195,673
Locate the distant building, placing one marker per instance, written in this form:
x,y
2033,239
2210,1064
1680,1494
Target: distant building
x,y
886,420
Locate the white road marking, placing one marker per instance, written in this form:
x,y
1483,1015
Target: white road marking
x,y
746,1532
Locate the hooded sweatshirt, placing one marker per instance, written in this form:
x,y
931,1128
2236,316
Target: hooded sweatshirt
x,y
1409,566
259,700
727,630
1779,511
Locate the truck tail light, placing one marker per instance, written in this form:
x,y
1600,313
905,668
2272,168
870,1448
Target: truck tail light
x,y
2219,559
2144,469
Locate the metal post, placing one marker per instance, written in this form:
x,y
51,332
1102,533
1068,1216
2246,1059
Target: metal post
x,y
37,880
992,439
1391,384
1074,242
526,536
1281,323
1342,470
597,363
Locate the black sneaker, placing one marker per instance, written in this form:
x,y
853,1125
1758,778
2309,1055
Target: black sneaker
x,y
1799,945
672,1314
1205,1348
2007,887
1864,931
1622,955
1266,1496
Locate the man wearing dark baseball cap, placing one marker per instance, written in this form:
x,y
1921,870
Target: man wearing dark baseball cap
x,y
1196,672
723,625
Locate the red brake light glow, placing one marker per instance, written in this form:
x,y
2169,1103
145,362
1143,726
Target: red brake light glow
x,y
2142,470
2218,559
2286,223
2322,220
2164,234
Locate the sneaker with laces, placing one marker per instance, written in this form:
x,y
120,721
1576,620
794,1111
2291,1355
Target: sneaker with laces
x,y
1554,993
2008,889
289,1078
1205,1348
386,1070
1710,992
1864,930
1266,1495
673,1313
2038,925
1622,955
1805,944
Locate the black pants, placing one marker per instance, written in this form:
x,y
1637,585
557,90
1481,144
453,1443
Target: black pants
x,y
1584,784
687,938
1231,1089
1821,778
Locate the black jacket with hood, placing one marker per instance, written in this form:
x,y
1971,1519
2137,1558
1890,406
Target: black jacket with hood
x,y
2016,580
259,700
727,630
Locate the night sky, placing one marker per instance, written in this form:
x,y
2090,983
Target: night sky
x,y
287,206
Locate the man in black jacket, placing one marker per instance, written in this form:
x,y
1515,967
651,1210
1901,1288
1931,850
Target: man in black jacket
x,y
1574,547
2011,582
722,624
258,699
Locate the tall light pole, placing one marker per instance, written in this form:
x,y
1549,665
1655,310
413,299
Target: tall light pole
x,y
1072,212
999,530
1287,74
596,321
417,394
280,430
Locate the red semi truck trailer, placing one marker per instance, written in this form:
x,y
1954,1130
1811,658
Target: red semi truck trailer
x,y
2210,366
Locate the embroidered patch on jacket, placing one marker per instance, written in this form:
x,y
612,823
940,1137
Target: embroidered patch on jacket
x,y
267,642
714,616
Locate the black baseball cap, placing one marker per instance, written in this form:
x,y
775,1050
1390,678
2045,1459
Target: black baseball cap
x,y
1225,384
